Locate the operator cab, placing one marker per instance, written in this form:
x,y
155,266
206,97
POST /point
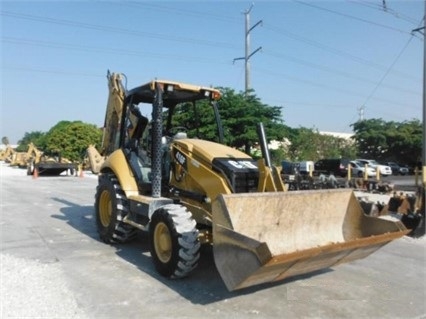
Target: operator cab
x,y
178,106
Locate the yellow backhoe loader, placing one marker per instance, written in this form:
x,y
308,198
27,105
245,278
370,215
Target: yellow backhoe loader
x,y
187,191
21,159
46,165
6,154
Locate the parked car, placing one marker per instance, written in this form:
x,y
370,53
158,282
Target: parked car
x,y
336,166
397,169
384,170
358,169
303,167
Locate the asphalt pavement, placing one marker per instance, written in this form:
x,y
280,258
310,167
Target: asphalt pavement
x,y
54,266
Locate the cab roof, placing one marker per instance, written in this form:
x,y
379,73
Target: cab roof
x,y
173,93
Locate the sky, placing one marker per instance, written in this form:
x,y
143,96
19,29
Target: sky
x,y
327,64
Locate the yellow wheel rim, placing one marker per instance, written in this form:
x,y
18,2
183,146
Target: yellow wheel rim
x,y
163,242
105,208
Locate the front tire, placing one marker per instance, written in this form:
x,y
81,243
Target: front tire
x,y
111,206
175,247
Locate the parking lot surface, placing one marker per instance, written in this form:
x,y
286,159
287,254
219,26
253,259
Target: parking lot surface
x,y
54,266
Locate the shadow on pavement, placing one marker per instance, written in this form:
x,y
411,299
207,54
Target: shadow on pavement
x,y
77,216
203,286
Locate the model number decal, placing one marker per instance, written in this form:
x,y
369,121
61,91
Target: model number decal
x,y
180,158
243,164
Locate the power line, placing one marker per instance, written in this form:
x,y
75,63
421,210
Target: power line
x,y
385,9
334,51
387,72
67,46
194,13
57,72
333,71
203,42
323,86
111,29
351,17
104,28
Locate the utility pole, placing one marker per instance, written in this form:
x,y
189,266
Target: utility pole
x,y
424,103
422,30
421,227
248,55
361,113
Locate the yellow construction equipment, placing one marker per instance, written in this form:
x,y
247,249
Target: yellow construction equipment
x,y
45,165
113,117
21,159
6,154
94,159
17,159
186,191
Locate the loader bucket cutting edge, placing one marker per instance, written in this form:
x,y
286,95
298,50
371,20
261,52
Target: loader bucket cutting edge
x,y
265,237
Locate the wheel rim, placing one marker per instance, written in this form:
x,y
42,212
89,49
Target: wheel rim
x,y
163,242
105,208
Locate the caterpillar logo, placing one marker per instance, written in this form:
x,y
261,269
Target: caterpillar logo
x,y
242,164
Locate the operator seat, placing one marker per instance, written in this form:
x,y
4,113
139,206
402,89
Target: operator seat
x,y
138,157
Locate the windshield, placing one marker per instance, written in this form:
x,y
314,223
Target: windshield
x,y
355,164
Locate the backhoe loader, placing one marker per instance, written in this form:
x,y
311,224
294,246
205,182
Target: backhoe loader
x,y
21,159
46,165
6,154
185,191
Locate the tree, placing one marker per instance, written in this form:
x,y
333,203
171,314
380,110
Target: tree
x,y
240,115
71,139
5,140
389,141
370,136
405,142
35,137
198,122
308,144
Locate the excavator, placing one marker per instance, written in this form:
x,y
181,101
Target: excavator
x,y
185,192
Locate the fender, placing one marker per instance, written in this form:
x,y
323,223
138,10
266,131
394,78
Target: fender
x,y
118,164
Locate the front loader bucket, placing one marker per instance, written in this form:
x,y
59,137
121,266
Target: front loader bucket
x,y
266,237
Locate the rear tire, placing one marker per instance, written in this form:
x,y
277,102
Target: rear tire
x,y
111,206
175,247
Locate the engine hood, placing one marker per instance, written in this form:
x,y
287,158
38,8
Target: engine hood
x,y
206,151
